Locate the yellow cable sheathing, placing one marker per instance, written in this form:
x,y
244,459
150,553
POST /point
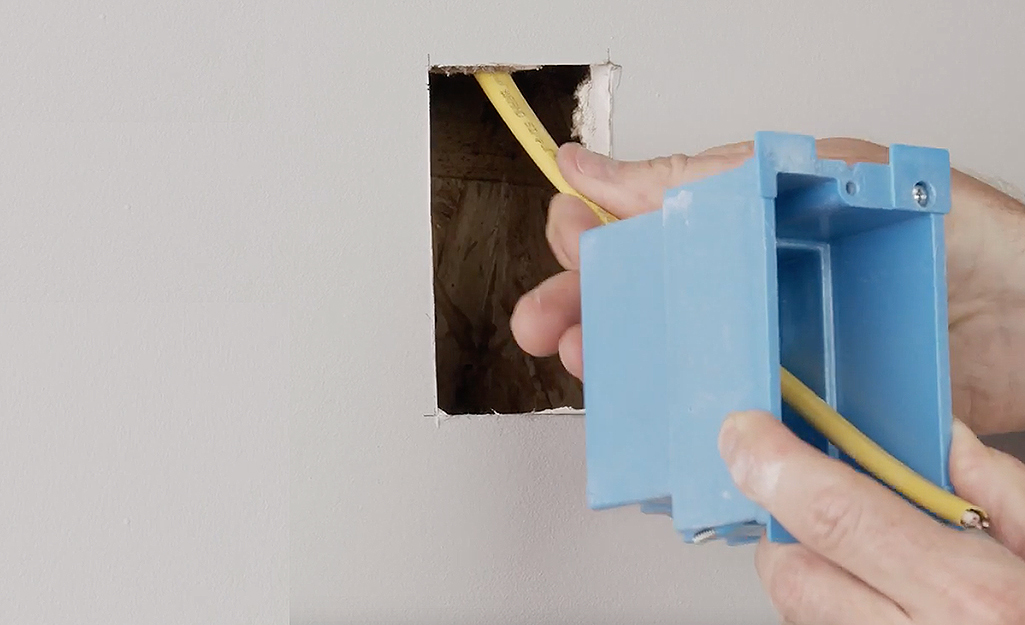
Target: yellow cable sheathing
x,y
507,99
874,459
530,132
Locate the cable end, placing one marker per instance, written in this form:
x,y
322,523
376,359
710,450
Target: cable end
x,y
975,520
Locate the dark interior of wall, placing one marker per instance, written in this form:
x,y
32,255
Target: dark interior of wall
x,y
488,209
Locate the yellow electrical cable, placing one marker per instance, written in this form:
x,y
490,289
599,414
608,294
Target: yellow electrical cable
x,y
507,99
530,132
874,459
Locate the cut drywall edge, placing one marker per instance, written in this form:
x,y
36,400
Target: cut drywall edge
x,y
430,254
592,120
449,70
442,416
592,126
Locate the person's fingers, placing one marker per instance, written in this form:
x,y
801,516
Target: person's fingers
x,y
743,148
845,149
629,188
542,316
993,480
839,513
851,150
807,589
624,188
568,217
571,351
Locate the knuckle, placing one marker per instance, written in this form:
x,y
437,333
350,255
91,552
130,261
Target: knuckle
x,y
557,230
677,166
554,215
787,583
551,222
667,169
993,601
834,517
558,205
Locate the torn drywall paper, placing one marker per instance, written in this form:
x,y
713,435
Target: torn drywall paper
x,y
443,417
592,119
449,70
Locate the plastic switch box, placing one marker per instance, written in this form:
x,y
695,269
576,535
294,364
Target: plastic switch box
x,y
836,272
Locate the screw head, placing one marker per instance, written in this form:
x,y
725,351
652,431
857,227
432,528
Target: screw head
x,y
921,194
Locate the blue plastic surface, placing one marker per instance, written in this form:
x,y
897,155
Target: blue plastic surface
x,y
835,272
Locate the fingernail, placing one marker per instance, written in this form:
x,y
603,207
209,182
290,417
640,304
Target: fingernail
x,y
758,482
962,435
728,439
536,293
961,431
731,449
594,165
962,427
969,466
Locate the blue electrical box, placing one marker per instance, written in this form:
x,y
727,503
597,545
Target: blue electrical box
x,y
835,272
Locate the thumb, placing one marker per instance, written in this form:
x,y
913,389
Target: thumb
x,y
628,188
993,480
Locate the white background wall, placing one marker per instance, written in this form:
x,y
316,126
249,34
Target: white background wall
x,y
214,257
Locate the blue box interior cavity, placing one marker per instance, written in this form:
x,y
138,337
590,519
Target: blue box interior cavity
x,y
836,272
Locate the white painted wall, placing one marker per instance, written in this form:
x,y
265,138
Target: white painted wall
x,y
145,316
214,218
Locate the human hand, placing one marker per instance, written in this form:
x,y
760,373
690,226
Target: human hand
x,y
985,267
866,555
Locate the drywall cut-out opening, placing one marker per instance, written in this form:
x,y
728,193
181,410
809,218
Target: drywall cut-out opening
x,y
489,205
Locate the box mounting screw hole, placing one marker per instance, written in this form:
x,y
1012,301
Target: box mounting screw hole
x,y
851,187
921,194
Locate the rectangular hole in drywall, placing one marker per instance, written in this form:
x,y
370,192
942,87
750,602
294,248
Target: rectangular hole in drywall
x,y
489,204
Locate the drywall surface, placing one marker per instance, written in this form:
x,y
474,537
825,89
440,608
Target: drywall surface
x,y
215,256
145,326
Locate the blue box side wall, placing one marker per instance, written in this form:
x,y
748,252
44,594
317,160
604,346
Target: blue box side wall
x,y
893,377
624,360
722,347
